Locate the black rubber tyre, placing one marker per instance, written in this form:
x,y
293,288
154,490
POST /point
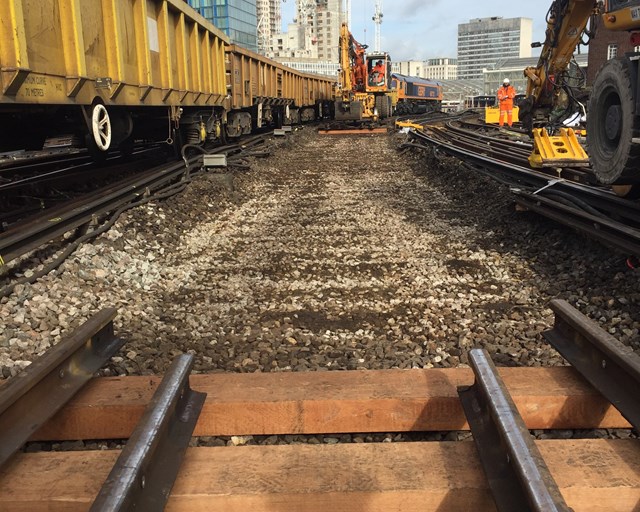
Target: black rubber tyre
x,y
385,107
379,106
612,123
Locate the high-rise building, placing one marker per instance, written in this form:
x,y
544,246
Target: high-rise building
x,y
484,41
311,42
236,18
329,17
269,22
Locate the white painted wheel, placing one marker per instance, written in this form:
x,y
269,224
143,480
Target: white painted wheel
x,y
101,127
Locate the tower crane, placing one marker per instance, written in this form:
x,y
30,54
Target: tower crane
x,y
347,10
377,19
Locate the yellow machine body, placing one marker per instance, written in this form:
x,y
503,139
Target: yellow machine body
x,y
492,115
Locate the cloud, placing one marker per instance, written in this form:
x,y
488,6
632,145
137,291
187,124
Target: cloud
x,y
415,7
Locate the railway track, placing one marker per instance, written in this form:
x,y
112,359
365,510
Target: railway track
x,y
567,196
95,212
509,471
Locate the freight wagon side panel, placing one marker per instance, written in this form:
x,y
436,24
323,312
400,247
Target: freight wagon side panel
x,y
253,77
127,52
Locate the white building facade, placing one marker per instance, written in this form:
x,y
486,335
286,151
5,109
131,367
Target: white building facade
x,y
441,69
408,68
269,21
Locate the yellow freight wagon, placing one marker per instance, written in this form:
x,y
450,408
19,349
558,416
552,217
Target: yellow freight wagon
x,y
263,91
99,62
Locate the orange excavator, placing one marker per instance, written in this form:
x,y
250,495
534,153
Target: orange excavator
x,y
613,109
363,92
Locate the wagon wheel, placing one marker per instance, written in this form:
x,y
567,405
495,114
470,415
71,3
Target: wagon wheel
x,y
101,127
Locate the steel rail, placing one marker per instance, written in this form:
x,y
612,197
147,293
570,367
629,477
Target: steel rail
x,y
85,169
22,238
39,391
610,366
516,152
624,214
519,478
521,148
470,143
602,199
604,230
145,472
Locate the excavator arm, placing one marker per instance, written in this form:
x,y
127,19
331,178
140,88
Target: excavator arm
x,y
548,100
353,71
353,103
613,112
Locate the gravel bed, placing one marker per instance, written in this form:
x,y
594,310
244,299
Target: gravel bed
x,y
317,439
334,253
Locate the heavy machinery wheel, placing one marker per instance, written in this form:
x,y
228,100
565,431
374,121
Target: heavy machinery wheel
x,y
383,105
386,107
612,123
378,103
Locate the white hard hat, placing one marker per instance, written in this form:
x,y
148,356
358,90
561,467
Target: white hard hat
x,y
505,81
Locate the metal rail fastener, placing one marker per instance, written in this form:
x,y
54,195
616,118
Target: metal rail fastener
x,y
610,366
33,396
517,474
146,470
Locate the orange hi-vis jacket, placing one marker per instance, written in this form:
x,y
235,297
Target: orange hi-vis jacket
x,y
505,97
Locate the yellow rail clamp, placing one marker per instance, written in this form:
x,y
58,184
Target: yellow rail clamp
x,y
557,150
409,124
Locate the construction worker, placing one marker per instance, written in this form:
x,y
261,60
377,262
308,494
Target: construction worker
x,y
377,74
506,93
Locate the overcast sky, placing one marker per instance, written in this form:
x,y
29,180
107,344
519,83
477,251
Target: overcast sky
x,y
424,29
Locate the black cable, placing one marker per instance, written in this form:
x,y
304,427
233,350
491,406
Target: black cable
x,y
174,189
561,196
165,193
